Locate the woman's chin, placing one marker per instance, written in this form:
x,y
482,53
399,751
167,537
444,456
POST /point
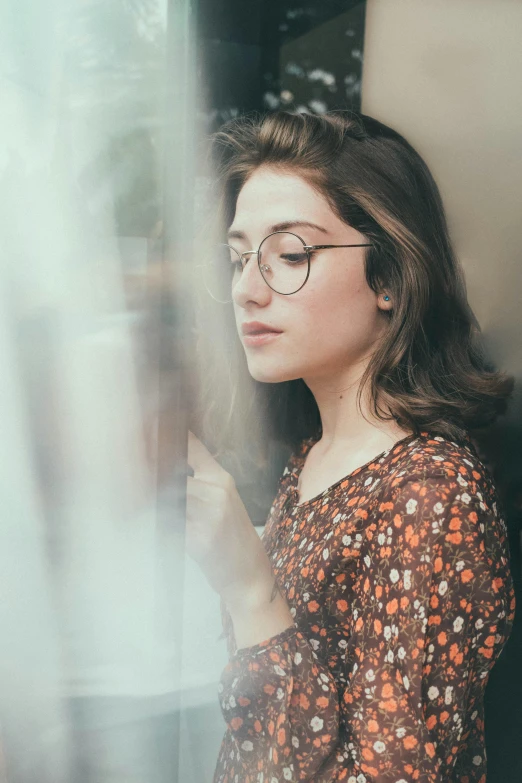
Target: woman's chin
x,y
269,374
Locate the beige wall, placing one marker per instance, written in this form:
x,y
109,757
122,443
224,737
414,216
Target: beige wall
x,y
446,74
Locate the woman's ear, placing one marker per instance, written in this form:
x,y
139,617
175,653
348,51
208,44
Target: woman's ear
x,y
385,302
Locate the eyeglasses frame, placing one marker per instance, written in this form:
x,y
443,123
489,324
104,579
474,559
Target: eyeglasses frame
x,y
308,248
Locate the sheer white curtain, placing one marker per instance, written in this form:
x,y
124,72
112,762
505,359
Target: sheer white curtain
x,y
86,612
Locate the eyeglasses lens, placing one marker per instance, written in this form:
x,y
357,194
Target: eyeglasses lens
x,y
283,263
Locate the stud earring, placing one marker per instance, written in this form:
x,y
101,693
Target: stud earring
x,y
386,298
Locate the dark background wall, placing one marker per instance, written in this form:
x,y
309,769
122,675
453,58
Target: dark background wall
x,y
263,55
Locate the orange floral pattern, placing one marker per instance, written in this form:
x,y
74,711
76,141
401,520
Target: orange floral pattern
x,y
399,583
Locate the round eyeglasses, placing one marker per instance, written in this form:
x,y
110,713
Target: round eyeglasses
x,y
283,259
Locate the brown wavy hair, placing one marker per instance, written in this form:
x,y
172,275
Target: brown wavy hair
x,y
430,371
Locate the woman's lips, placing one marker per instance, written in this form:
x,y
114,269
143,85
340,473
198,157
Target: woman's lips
x,y
260,338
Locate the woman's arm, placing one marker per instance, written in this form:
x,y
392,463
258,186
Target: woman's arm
x,y
434,608
427,632
258,611
282,708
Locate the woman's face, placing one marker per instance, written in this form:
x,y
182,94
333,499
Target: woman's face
x,y
329,325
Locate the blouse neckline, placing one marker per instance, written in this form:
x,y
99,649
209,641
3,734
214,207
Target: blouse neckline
x,y
301,454
300,458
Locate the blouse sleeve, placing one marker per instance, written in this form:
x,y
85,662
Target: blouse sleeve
x,y
432,610
282,708
427,630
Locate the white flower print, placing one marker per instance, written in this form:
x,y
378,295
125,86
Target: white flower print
x,y
448,694
460,565
347,540
316,723
465,497
295,742
287,773
401,731
477,760
379,746
298,658
370,675
247,745
438,508
381,538
387,632
325,554
278,670
394,575
458,624
443,587
479,623
401,652
407,579
433,692
406,682
411,506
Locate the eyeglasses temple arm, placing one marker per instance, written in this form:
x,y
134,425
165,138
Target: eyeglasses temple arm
x,y
325,247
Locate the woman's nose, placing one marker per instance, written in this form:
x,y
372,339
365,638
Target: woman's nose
x,y
251,283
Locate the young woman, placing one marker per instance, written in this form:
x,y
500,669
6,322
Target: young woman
x,y
363,625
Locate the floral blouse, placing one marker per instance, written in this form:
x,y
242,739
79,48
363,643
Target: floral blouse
x,y
398,580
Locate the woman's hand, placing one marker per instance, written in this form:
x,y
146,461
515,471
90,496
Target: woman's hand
x,y
219,535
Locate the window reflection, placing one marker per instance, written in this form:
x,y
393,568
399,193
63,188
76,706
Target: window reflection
x,y
267,55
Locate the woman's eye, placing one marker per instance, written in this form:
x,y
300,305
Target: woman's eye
x,y
294,258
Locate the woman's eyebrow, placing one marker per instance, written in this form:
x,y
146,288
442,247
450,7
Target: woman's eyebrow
x,y
284,226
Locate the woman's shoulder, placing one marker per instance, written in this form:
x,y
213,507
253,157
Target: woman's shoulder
x,y
438,459
444,486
